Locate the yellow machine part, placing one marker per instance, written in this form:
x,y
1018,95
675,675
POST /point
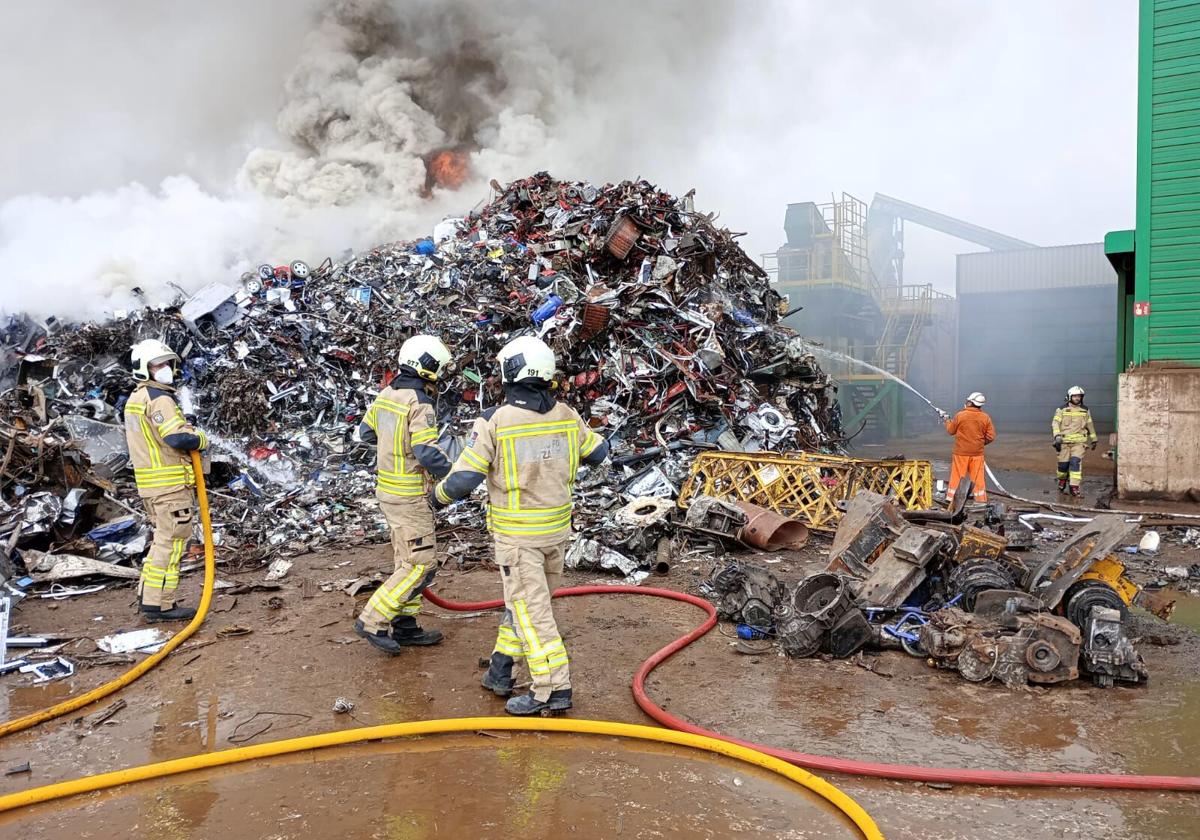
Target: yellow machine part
x,y
1111,572
806,486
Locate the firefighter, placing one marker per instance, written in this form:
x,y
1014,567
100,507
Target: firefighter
x,y
972,430
401,422
528,449
1073,430
160,440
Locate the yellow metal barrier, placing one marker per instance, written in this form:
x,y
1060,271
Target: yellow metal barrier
x,y
806,486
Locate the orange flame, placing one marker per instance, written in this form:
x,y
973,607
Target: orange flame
x,y
446,168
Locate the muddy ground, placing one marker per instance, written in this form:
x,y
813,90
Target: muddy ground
x,y
301,654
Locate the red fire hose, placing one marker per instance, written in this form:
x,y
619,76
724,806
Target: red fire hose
x,y
832,764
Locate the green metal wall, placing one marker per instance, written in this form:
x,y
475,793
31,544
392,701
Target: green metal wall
x,y
1167,250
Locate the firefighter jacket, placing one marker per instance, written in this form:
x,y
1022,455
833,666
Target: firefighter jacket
x,y
528,450
402,424
160,440
972,430
1074,423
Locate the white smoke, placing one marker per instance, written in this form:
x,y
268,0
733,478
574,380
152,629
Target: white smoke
x,y
376,87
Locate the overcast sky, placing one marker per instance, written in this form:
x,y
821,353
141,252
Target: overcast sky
x,y
1014,114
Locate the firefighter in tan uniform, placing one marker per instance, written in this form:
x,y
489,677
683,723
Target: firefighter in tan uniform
x,y
160,441
402,423
529,450
1073,431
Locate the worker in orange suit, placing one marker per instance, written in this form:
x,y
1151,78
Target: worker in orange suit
x,y
972,430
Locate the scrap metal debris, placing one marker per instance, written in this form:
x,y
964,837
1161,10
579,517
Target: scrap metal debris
x,y
668,337
945,590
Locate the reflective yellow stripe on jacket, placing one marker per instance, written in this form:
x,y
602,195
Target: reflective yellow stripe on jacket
x,y
157,475
513,518
1072,423
399,480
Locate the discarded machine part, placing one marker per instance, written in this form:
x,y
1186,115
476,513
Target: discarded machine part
x,y
977,543
1087,595
1108,653
622,235
806,486
969,579
769,531
994,602
588,554
1160,603
956,515
1012,648
746,594
645,512
850,633
214,304
715,517
869,525
1093,542
804,622
901,567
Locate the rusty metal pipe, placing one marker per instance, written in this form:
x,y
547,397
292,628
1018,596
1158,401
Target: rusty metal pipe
x,y
769,531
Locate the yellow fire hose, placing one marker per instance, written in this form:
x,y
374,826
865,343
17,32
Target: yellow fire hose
x,y
101,781
87,784
81,700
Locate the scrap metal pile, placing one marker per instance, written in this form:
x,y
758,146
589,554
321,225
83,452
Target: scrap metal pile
x,y
668,337
955,593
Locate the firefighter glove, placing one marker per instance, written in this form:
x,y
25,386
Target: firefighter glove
x,y
1057,443
1094,444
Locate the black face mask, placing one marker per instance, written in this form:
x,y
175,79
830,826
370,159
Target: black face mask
x,y
535,395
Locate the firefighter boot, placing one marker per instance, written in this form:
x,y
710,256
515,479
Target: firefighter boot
x,y
527,704
498,678
381,640
1062,485
1075,491
155,614
406,632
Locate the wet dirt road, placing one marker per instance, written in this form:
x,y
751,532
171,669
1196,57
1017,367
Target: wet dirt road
x,y
299,658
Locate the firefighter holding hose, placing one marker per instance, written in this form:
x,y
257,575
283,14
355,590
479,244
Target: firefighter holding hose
x,y
528,449
401,422
160,440
972,430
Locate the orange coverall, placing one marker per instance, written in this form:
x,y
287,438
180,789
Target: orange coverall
x,y
972,430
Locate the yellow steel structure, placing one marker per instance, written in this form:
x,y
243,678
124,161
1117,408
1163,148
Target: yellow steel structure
x,y
806,486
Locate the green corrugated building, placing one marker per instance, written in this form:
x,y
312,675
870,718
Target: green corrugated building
x,y
1158,264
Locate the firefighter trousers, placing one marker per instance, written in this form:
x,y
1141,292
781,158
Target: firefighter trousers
x,y
414,560
1070,463
171,517
528,630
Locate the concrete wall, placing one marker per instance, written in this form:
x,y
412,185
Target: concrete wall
x,y
1159,438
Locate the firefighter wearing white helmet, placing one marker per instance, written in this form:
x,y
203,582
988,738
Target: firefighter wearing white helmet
x,y
160,440
402,423
972,430
1073,431
528,449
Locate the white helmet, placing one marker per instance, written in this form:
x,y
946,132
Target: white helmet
x,y
426,354
526,358
1074,391
146,353
976,398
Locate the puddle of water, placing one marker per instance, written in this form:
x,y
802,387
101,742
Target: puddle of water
x,y
1187,610
524,786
